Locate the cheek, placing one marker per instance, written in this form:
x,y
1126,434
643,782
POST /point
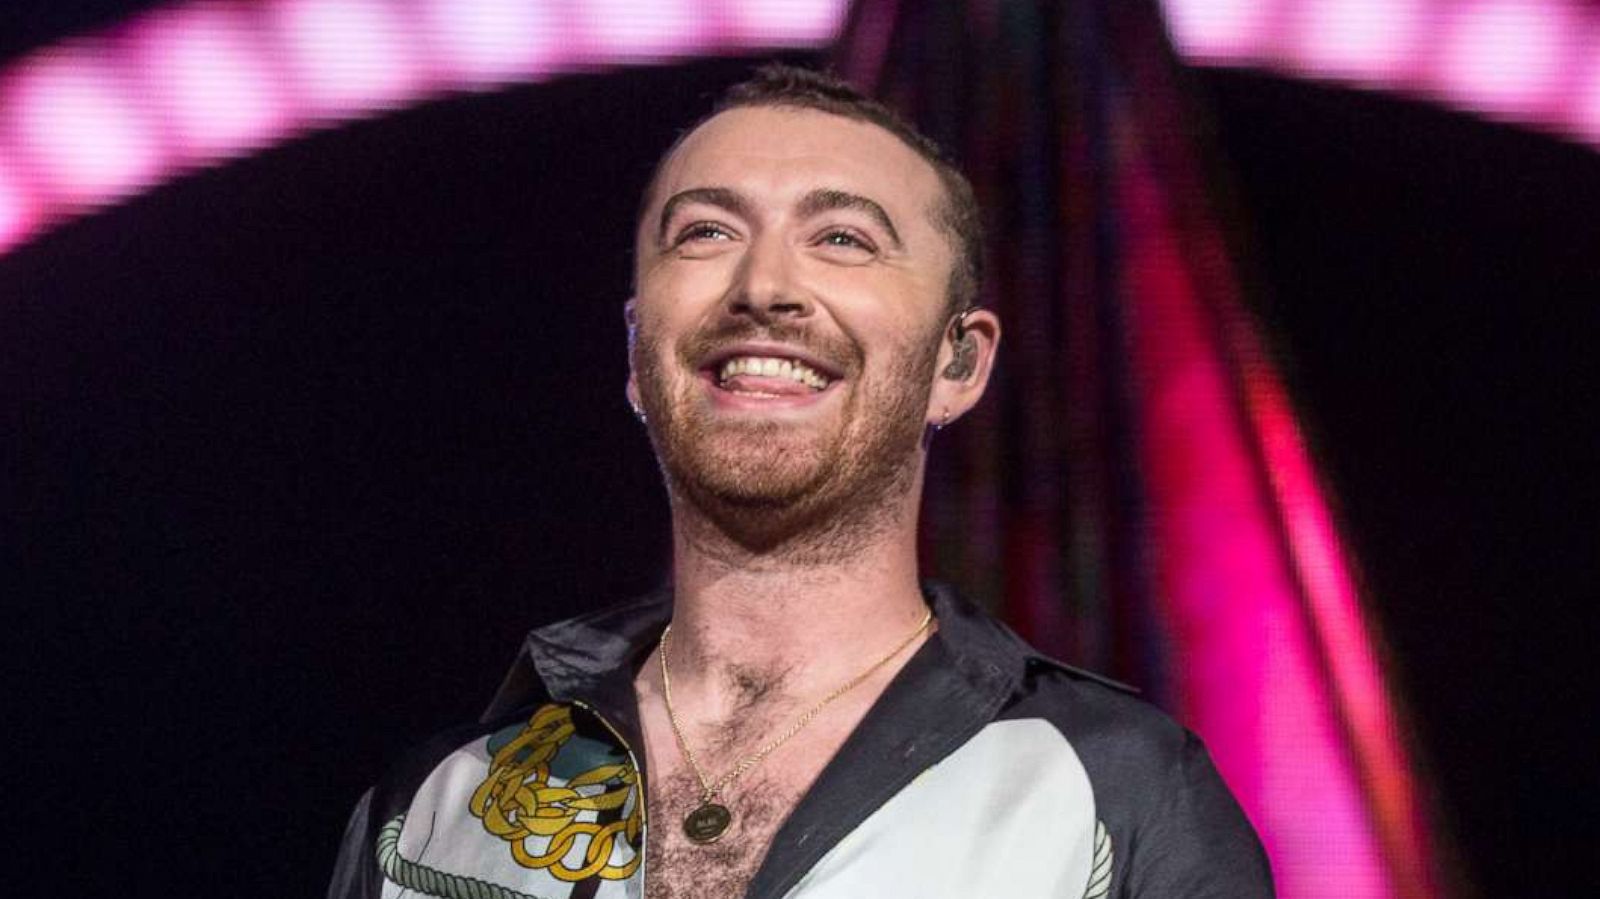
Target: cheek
x,y
675,281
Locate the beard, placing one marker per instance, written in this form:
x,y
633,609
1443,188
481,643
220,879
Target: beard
x,y
815,490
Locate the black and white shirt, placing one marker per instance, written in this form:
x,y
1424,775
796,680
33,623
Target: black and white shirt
x,y
985,769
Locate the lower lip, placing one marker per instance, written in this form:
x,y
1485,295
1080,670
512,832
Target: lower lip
x,y
760,402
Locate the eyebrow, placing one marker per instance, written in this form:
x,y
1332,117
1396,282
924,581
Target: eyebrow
x,y
825,199
721,197
819,200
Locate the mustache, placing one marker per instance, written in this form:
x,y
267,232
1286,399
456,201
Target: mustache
x,y
699,348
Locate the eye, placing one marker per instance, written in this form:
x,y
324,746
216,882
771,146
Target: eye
x,y
700,232
846,238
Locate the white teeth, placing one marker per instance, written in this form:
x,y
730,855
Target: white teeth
x,y
773,367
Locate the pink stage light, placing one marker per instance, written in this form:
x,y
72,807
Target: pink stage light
x,y
210,79
1275,671
1506,58
1231,30
1585,111
628,32
224,78
1336,621
1367,41
481,43
348,57
783,22
78,128
17,210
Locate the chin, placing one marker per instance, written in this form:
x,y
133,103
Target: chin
x,y
757,471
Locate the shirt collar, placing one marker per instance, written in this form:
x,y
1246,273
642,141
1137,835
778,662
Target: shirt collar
x,y
574,659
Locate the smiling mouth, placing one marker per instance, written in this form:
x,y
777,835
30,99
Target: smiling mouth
x,y
769,376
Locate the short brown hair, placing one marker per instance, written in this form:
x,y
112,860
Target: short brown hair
x,y
777,84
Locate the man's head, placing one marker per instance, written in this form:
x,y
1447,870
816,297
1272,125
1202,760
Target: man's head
x,y
790,87
801,256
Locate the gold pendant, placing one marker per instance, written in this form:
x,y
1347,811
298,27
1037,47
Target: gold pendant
x,y
706,823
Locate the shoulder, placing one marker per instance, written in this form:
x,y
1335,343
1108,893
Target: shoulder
x,y
1167,819
1138,758
1099,716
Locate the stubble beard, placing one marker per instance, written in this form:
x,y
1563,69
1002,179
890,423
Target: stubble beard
x,y
814,495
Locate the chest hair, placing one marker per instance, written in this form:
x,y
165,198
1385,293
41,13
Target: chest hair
x,y
679,868
761,800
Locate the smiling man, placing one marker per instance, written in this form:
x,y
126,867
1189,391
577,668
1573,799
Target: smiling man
x,y
800,715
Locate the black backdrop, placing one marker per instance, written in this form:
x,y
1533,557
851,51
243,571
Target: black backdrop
x,y
296,450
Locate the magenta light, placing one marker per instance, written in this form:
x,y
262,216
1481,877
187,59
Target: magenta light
x,y
210,78
1248,660
17,211
781,22
89,122
481,43
1230,30
630,32
1330,595
1274,662
1366,41
348,57
1585,109
75,124
1525,61
1507,58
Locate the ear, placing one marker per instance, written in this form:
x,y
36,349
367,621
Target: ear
x,y
630,317
970,342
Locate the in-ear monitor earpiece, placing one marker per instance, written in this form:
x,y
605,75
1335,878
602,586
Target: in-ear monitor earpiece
x,y
964,348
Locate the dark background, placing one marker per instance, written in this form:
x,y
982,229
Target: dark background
x,y
296,450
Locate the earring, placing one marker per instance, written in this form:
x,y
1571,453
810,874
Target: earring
x,y
638,412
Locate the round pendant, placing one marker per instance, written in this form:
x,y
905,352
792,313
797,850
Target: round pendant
x,y
706,823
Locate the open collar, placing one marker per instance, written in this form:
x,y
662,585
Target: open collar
x,y
956,683
573,659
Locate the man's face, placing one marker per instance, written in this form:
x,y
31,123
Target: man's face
x,y
791,290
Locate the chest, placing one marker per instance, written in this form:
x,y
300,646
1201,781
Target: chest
x,y
759,802
681,867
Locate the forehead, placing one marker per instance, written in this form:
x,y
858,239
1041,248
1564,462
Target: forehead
x,y
778,153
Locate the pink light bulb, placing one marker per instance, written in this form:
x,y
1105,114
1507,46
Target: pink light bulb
x,y
1368,41
1506,58
209,76
78,127
622,31
485,42
348,57
769,23
18,213
1585,110
1222,30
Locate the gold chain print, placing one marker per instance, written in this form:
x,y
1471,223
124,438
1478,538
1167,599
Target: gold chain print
x,y
516,801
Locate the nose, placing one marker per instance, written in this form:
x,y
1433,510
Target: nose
x,y
768,288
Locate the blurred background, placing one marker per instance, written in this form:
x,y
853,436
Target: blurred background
x,y
311,372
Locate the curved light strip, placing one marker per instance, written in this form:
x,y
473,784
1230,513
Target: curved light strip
x,y
92,120
1533,62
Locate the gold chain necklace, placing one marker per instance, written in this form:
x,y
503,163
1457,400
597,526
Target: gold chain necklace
x,y
709,819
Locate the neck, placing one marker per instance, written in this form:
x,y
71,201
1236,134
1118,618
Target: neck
x,y
745,620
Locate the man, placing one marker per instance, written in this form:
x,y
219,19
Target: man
x,y
815,722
